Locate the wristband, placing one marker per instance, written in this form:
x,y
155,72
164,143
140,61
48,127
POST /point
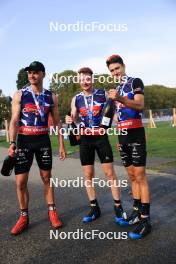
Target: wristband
x,y
12,142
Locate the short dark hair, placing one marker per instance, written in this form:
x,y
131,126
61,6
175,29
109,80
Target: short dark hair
x,y
114,59
85,70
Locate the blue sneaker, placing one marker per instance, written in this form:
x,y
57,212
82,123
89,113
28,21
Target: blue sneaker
x,y
92,215
134,218
119,214
142,229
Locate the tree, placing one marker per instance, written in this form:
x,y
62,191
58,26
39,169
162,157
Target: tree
x,y
5,108
159,97
22,79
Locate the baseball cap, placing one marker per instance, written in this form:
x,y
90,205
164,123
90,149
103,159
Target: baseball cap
x,y
35,66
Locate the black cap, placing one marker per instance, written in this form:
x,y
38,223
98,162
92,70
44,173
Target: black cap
x,y
35,66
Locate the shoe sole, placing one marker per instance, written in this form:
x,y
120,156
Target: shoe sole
x,y
84,221
123,223
135,236
118,220
56,227
12,234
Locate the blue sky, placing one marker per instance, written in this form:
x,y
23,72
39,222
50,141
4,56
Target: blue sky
x,y
148,46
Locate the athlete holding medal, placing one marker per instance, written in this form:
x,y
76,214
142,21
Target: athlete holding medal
x,y
29,124
88,105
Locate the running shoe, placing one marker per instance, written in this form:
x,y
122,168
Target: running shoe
x,y
141,230
94,213
134,218
119,214
54,219
20,225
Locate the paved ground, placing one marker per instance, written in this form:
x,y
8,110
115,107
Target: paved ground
x,y
35,245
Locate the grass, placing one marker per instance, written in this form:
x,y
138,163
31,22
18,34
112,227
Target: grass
x,y
161,142
54,142
164,166
69,149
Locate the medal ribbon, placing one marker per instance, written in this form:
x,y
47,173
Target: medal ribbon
x,y
41,112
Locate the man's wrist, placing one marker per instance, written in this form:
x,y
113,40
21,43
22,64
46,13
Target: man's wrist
x,y
12,142
61,145
121,99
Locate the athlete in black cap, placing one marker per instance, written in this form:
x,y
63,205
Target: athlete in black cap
x,y
29,126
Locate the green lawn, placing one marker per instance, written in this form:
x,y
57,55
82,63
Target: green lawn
x,y
161,141
54,141
69,149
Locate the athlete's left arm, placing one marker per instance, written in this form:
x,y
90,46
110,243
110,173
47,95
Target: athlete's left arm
x,y
138,102
57,123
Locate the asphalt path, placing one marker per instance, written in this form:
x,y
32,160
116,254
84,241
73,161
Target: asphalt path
x,y
41,244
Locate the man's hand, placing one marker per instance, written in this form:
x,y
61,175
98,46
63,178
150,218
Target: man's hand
x,y
114,95
12,150
137,103
62,153
68,120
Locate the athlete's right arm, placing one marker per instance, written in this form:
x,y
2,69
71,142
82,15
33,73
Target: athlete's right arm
x,y
16,108
72,118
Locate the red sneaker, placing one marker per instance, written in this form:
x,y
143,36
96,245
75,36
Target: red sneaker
x,y
53,217
20,225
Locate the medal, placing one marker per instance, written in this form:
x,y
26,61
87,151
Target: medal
x,y
40,111
89,108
